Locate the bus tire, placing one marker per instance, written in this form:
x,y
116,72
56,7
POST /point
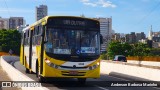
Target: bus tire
x,y
82,80
40,78
27,70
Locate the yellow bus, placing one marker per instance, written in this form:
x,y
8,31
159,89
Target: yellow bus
x,y
62,47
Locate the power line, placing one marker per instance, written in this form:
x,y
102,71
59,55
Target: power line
x,y
7,8
149,13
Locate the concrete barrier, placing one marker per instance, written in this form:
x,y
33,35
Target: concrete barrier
x,y
149,63
133,71
16,75
107,67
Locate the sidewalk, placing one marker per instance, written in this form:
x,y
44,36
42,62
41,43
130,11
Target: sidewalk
x,y
5,77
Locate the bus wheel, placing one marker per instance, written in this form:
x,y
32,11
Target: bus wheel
x,y
40,78
27,70
82,80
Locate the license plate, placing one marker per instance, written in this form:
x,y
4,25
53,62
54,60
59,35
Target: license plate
x,y
73,72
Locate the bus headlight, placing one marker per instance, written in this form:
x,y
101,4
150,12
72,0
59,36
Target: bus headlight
x,y
56,66
94,66
98,63
49,63
90,68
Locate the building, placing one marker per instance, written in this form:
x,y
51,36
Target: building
x,y
14,22
132,38
154,36
127,38
116,36
11,23
140,36
155,44
20,28
150,34
106,31
41,12
4,23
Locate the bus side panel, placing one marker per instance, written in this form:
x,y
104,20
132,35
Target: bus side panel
x,y
38,54
21,55
34,58
26,56
22,49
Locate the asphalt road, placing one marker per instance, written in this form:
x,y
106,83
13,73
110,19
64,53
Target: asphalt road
x,y
91,84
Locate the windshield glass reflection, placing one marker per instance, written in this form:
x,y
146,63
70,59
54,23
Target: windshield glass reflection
x,y
72,42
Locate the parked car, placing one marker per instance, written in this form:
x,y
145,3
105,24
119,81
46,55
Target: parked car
x,y
120,58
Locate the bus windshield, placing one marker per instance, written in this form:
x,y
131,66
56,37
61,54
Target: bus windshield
x,y
72,42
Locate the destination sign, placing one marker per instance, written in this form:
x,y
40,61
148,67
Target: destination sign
x,y
74,22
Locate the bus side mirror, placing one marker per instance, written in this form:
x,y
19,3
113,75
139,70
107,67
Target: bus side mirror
x,y
101,39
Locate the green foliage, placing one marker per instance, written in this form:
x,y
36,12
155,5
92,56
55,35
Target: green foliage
x,y
141,49
118,48
10,39
113,49
155,52
104,56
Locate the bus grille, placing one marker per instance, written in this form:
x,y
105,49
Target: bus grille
x,y
73,67
67,73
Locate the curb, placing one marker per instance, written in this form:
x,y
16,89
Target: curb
x,y
129,72
16,75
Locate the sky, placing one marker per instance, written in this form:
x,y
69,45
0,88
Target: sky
x,y
127,15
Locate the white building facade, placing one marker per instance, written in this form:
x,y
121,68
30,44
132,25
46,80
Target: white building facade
x,y
4,23
106,31
14,22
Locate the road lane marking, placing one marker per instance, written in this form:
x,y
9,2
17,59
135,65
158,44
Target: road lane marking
x,y
101,87
118,78
156,88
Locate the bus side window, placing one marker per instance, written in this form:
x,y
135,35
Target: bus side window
x,y
26,37
39,30
38,35
22,37
33,37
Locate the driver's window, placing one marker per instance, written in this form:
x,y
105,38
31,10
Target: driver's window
x,y
55,40
85,39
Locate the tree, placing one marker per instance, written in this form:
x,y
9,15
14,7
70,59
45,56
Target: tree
x,y
155,52
118,48
141,49
113,49
126,49
10,39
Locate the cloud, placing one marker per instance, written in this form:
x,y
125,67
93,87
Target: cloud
x,y
87,2
91,4
101,3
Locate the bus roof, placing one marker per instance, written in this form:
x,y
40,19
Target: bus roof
x,y
46,18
